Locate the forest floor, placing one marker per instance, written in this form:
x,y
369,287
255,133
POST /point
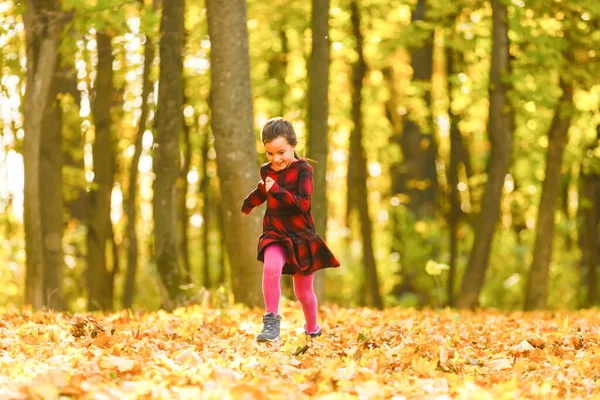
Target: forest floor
x,y
199,352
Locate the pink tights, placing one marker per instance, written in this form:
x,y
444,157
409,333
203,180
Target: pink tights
x,y
303,287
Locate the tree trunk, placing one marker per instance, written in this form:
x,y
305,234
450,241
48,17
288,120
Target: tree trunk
x,y
52,195
455,148
223,259
100,227
277,89
318,112
590,236
235,142
500,126
589,215
42,38
357,168
417,177
205,191
115,263
283,87
182,205
169,124
131,201
537,287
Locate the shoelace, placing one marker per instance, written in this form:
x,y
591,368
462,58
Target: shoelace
x,y
270,324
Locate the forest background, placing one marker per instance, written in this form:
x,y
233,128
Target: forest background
x,y
455,148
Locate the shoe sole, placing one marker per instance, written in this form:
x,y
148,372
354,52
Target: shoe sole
x,y
264,340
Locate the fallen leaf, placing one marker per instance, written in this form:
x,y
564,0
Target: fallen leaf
x,y
499,364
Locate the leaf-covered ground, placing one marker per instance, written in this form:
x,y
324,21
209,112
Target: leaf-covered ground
x,y
198,352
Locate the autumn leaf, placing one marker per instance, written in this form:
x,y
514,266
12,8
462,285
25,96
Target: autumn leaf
x,y
198,352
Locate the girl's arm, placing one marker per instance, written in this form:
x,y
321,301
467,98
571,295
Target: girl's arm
x,y
305,191
255,198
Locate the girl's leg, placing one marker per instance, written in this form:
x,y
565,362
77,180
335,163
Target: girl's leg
x,y
271,284
303,288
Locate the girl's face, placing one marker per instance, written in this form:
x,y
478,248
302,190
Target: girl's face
x,y
280,153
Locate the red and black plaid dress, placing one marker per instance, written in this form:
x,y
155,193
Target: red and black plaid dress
x,y
288,220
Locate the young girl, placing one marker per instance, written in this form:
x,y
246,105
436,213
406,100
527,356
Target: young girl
x,y
289,243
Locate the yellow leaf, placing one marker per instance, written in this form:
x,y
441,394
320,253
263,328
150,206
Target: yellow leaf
x,y
119,363
499,364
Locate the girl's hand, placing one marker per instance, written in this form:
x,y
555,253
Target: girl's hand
x,y
269,182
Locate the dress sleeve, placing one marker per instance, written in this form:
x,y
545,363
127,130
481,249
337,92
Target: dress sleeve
x,y
305,191
255,198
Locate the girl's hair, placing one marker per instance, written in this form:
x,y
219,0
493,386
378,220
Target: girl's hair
x,y
276,127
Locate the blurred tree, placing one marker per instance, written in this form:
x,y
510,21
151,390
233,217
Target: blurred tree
x,y
500,128
169,125
44,21
358,196
182,191
537,288
99,224
235,144
416,176
130,208
589,215
51,191
318,113
206,193
457,155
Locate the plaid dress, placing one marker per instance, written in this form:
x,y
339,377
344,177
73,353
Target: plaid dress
x,y
288,220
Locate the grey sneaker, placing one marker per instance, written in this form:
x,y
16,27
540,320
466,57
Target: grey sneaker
x,y
270,332
318,333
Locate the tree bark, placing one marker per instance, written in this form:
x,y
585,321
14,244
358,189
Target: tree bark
x,y
43,39
417,177
166,155
131,201
182,205
453,179
357,167
205,191
99,226
537,287
589,215
235,142
52,194
318,113
500,126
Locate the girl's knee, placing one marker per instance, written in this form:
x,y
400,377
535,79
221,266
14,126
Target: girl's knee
x,y
272,267
305,295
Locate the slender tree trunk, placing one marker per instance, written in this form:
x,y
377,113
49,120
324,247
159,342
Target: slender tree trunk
x,y
182,206
115,263
277,89
131,201
223,259
417,177
537,287
99,226
590,237
318,112
500,127
42,38
52,195
205,191
589,215
166,156
455,211
235,142
283,87
357,167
